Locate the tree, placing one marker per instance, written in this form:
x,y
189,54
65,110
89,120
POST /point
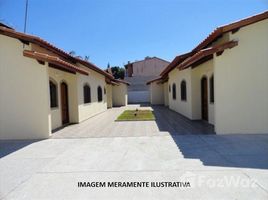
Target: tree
x,y
118,72
73,53
87,58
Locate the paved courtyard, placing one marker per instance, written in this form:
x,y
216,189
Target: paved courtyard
x,y
216,166
104,125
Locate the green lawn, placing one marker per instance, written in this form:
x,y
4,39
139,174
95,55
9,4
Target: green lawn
x,y
136,115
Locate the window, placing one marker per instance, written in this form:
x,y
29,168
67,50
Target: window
x,y
169,88
87,94
99,94
211,88
53,94
183,91
174,91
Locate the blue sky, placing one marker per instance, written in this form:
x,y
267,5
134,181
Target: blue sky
x,y
117,31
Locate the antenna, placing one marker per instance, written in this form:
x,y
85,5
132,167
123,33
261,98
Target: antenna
x,y
26,13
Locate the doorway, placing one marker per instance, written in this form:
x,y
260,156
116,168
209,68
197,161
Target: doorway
x,y
204,98
64,103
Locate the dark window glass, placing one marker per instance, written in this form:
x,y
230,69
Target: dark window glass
x,y
87,94
174,91
183,91
211,89
53,95
99,94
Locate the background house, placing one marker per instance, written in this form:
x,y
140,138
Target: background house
x,y
138,73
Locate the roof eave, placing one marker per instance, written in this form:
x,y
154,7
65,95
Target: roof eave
x,y
153,80
61,64
230,27
206,53
47,45
121,81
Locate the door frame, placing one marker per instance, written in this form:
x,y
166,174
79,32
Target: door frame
x,y
204,98
64,119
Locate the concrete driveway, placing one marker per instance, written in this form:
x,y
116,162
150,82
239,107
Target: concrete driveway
x,y
217,167
104,125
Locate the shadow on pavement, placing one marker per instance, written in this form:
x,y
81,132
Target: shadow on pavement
x,y
177,124
10,146
197,140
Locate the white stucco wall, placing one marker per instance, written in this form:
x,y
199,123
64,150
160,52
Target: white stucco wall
x,y
139,96
183,107
165,90
120,95
203,70
94,80
241,83
58,76
24,93
156,94
109,91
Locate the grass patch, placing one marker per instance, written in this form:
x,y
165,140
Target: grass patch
x,y
136,115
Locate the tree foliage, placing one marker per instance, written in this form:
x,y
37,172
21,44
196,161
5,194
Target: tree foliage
x,y
118,72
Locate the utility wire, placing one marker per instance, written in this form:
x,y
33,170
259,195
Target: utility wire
x,y
26,13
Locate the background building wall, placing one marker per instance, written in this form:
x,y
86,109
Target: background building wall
x,y
143,71
241,83
138,96
149,67
138,91
24,97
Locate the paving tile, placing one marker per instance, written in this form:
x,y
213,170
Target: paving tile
x,y
202,186
104,125
171,149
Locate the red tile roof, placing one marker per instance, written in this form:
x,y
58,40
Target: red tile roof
x,y
55,61
230,27
36,40
4,25
153,80
197,53
114,83
121,81
95,68
177,60
206,52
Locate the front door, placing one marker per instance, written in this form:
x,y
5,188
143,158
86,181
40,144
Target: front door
x,y
204,98
64,103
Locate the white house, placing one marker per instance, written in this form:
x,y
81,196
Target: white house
x,y
223,80
43,88
138,73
